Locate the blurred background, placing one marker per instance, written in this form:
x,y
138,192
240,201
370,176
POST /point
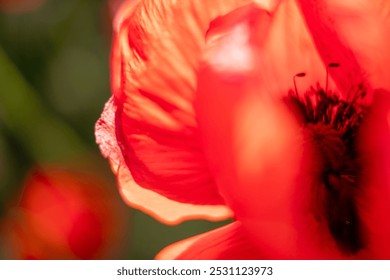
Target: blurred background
x,y
58,197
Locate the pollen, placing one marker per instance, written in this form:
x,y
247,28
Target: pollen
x,y
331,124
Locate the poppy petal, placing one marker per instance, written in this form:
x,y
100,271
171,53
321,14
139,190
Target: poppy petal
x,y
226,243
167,162
255,147
271,47
157,52
374,197
105,135
158,206
163,209
123,11
355,34
172,251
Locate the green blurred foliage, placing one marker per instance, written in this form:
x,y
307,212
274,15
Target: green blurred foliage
x,y
54,81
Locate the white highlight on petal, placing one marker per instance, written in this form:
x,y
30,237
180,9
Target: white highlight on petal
x,y
269,5
231,52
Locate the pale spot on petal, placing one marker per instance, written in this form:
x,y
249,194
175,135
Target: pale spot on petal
x,y
233,53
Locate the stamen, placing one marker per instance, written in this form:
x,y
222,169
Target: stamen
x,y
330,65
295,84
331,124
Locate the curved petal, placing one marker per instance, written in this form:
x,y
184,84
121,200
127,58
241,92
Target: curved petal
x,y
226,243
114,6
156,124
271,47
158,206
256,149
163,209
105,135
173,251
157,50
355,34
169,163
123,11
374,197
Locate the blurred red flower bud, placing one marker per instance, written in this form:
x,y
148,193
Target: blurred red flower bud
x,y
64,214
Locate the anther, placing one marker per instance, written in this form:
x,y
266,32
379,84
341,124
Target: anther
x,y
330,65
302,74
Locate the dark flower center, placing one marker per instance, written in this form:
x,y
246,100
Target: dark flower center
x,y
331,125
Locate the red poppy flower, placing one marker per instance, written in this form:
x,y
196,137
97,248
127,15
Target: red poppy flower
x,y
277,110
64,215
